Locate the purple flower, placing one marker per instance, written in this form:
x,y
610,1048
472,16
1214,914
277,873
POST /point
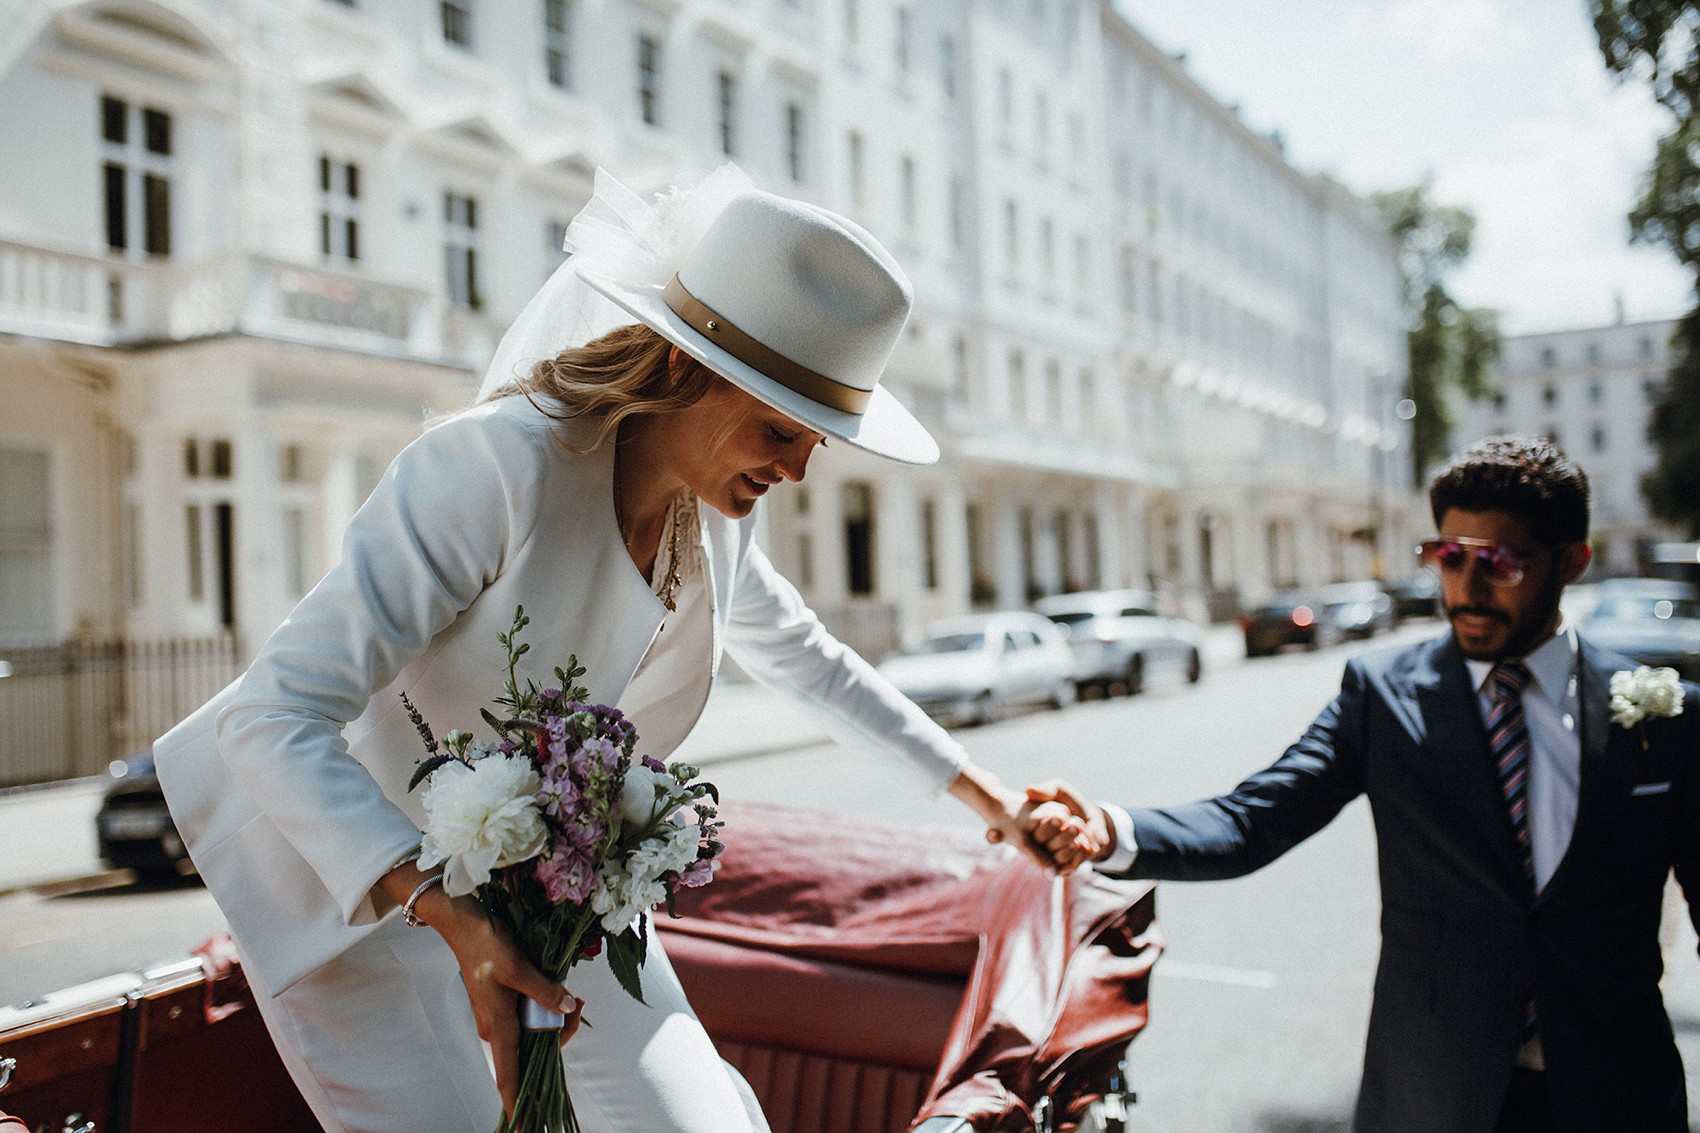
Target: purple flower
x,y
582,833
654,764
603,720
699,872
560,794
595,752
566,876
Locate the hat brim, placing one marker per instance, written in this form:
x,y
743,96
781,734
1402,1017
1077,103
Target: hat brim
x,y
885,429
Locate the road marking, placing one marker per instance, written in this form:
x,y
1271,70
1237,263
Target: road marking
x,y
1217,974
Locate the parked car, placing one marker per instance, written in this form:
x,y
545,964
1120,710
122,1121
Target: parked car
x,y
1294,618
1652,620
971,668
1358,609
1416,597
1120,640
133,826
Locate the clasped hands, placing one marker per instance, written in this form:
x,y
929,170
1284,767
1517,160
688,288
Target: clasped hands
x,y
1057,826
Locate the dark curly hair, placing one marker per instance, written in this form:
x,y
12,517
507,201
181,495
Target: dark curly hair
x,y
1528,477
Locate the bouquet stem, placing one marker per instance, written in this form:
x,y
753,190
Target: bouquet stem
x,y
543,1105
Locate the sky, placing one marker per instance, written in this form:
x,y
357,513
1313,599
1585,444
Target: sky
x,y
1504,104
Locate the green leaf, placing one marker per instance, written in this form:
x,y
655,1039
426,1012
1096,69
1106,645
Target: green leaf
x,y
625,959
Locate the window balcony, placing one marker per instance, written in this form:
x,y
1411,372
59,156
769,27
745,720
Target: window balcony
x,y
103,301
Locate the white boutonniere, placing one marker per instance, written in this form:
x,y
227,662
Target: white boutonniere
x,y
1644,692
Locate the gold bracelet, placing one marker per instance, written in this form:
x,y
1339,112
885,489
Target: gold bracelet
x,y
408,916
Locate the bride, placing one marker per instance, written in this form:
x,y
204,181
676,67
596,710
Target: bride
x,y
685,361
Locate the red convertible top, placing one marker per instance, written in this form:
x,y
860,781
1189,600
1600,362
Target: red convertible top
x,y
1056,970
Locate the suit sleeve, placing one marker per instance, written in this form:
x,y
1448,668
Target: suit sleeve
x,y
440,527
780,642
1686,859
1268,814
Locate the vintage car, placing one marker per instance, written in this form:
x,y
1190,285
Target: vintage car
x,y
862,976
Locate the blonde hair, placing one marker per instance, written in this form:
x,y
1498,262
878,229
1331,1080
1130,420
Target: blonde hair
x,y
622,374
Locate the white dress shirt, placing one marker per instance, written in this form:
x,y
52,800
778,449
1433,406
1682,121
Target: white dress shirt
x,y
1555,756
1550,709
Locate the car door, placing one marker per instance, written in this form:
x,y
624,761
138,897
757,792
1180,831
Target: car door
x,y
1029,677
1149,637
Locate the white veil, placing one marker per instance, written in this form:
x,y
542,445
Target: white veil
x,y
620,236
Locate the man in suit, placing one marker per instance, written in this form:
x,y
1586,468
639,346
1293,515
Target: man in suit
x,y
1524,835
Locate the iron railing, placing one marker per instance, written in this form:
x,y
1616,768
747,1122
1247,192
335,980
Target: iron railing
x,y
68,710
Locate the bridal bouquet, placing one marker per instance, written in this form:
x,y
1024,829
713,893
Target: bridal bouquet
x,y
565,837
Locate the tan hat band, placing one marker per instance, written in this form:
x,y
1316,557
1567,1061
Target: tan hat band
x,y
797,378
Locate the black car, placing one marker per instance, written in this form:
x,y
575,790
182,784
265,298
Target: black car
x,y
1654,621
134,827
1358,609
1298,617
1416,597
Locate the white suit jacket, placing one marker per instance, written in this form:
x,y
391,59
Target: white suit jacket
x,y
290,786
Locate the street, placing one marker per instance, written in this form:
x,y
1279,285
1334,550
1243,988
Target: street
x,y
1258,1006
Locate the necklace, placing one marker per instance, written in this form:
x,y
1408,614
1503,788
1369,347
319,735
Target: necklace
x,y
671,578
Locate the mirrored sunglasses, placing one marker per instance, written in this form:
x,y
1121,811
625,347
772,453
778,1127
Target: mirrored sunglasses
x,y
1501,565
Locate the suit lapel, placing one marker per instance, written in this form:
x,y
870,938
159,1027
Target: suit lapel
x,y
1593,791
1456,746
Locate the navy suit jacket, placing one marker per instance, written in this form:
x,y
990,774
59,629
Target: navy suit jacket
x,y
1466,943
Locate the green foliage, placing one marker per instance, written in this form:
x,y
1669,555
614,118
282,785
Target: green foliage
x,y
626,951
1672,485
1658,42
1449,347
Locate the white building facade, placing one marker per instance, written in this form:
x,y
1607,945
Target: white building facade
x,y
1589,390
250,245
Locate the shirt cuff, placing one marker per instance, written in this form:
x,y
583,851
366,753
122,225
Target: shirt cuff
x,y
1122,857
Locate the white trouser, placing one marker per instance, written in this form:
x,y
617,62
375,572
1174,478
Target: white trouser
x,y
382,1040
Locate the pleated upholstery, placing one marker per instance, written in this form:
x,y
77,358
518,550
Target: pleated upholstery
x,y
827,1046
803,1092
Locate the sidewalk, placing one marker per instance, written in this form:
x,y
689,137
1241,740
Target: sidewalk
x,y
47,834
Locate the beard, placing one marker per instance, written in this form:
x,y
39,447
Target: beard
x,y
1524,632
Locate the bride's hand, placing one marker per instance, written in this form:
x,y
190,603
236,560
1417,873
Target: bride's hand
x,y
496,974
1011,817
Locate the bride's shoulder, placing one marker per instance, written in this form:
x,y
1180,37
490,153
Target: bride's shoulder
x,y
517,418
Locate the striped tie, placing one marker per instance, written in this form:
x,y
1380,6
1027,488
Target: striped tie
x,y
1508,738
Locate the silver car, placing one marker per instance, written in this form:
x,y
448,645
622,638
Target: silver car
x,y
1651,620
1121,640
971,668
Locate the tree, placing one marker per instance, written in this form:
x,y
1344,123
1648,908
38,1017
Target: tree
x,y
1672,486
1656,41
1448,346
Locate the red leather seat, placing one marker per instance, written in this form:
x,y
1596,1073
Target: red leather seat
x,y
865,976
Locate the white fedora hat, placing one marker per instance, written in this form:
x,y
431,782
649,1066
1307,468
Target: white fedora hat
x,y
797,306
